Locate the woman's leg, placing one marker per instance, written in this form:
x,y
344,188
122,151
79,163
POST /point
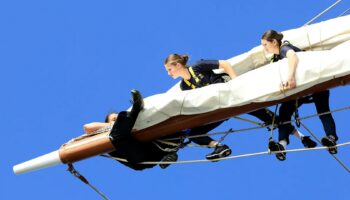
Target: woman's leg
x,y
126,120
219,151
285,113
201,130
265,115
321,100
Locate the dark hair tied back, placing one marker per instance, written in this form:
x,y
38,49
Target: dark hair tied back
x,y
109,114
271,35
176,58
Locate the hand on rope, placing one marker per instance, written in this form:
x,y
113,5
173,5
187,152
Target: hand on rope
x,y
289,84
282,89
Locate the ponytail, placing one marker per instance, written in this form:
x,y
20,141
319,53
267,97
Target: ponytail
x,y
176,58
271,35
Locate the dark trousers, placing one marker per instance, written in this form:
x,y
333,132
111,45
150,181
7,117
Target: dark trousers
x,y
130,149
203,140
321,101
264,115
122,127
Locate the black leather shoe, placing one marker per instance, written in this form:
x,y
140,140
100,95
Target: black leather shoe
x,y
137,99
330,142
171,157
308,142
275,146
220,151
137,103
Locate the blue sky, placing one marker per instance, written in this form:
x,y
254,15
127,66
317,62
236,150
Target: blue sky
x,y
66,63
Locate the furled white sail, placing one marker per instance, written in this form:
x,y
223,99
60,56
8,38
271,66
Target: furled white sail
x,y
320,36
258,85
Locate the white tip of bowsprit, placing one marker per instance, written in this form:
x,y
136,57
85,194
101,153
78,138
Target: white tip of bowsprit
x,y
43,161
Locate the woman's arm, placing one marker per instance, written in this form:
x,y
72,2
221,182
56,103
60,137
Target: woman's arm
x,y
91,127
226,66
292,67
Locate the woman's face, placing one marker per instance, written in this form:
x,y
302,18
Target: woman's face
x,y
173,69
270,47
112,117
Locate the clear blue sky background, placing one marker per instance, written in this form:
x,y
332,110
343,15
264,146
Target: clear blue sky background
x,y
66,63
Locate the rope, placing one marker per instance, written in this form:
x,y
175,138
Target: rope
x,y
273,121
86,135
296,114
76,174
259,127
323,12
272,127
318,140
229,157
223,137
167,149
248,120
344,12
308,37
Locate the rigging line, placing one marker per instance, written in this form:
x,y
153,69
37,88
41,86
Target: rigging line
x,y
259,127
224,136
76,174
248,120
272,127
334,156
323,12
86,135
218,133
324,113
225,132
229,157
273,121
344,12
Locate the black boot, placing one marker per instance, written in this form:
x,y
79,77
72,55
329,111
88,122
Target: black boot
x,y
220,151
137,103
122,128
330,142
308,142
275,146
171,157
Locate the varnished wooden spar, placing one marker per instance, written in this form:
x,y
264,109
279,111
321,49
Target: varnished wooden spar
x,y
100,144
181,122
69,153
97,145
85,148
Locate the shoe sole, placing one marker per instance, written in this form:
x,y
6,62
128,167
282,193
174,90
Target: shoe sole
x,y
308,143
274,147
222,154
281,156
168,159
331,148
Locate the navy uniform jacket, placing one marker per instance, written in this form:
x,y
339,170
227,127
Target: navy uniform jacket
x,y
202,75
